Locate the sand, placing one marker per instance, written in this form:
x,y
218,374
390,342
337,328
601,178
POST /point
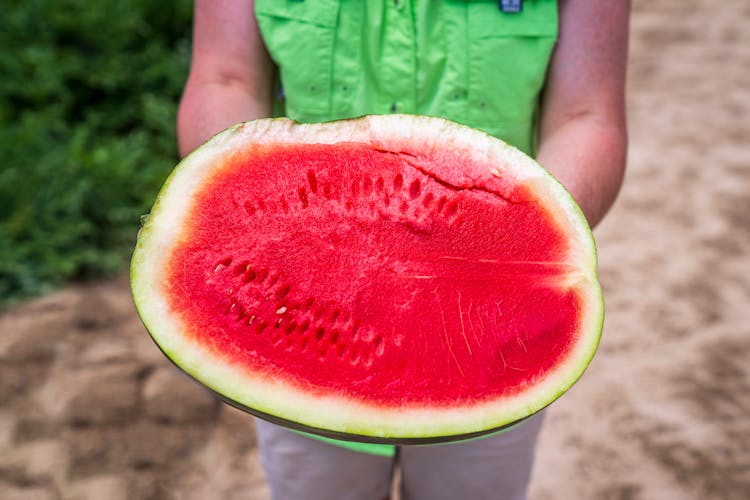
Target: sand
x,y
89,408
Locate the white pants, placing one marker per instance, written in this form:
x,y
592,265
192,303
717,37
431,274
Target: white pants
x,y
301,468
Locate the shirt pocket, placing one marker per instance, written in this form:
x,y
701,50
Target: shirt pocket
x,y
299,36
508,58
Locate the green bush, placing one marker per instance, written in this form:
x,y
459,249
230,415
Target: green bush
x,y
88,96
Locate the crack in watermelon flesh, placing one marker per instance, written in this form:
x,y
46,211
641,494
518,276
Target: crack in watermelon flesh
x,y
343,269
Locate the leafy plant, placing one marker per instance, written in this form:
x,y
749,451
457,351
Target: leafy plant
x,y
88,98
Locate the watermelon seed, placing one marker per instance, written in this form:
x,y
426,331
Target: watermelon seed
x,y
495,172
304,326
441,203
355,360
261,326
451,209
398,182
261,275
312,181
241,268
334,336
415,188
386,199
283,292
379,184
379,346
249,276
303,196
309,302
355,188
281,310
226,262
367,186
340,350
427,200
278,323
261,205
335,315
290,328
319,333
327,191
241,315
250,320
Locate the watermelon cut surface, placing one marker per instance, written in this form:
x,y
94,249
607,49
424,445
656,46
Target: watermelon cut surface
x,y
391,279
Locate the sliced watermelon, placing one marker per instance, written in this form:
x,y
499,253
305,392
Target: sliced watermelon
x,y
393,279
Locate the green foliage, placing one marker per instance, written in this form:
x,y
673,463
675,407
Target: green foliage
x,y
88,96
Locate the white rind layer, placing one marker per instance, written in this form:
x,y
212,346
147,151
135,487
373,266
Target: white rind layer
x,y
335,413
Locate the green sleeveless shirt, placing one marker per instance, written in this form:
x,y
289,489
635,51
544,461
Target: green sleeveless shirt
x,y
465,60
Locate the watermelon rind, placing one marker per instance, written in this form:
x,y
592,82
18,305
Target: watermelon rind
x,y
335,415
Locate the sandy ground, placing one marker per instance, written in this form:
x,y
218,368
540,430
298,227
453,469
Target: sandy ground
x,y
90,409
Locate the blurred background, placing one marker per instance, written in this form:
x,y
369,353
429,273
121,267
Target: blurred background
x,y
89,407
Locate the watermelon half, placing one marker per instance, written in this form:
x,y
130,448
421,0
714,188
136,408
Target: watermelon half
x,y
388,279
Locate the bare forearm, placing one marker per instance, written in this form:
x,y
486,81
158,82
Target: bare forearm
x,y
583,136
231,73
209,107
588,157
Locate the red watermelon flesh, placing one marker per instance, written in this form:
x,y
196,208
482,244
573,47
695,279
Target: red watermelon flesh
x,y
384,285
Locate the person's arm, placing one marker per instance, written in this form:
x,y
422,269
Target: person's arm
x,y
583,137
231,74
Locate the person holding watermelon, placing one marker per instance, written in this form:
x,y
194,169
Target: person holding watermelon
x,y
545,76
